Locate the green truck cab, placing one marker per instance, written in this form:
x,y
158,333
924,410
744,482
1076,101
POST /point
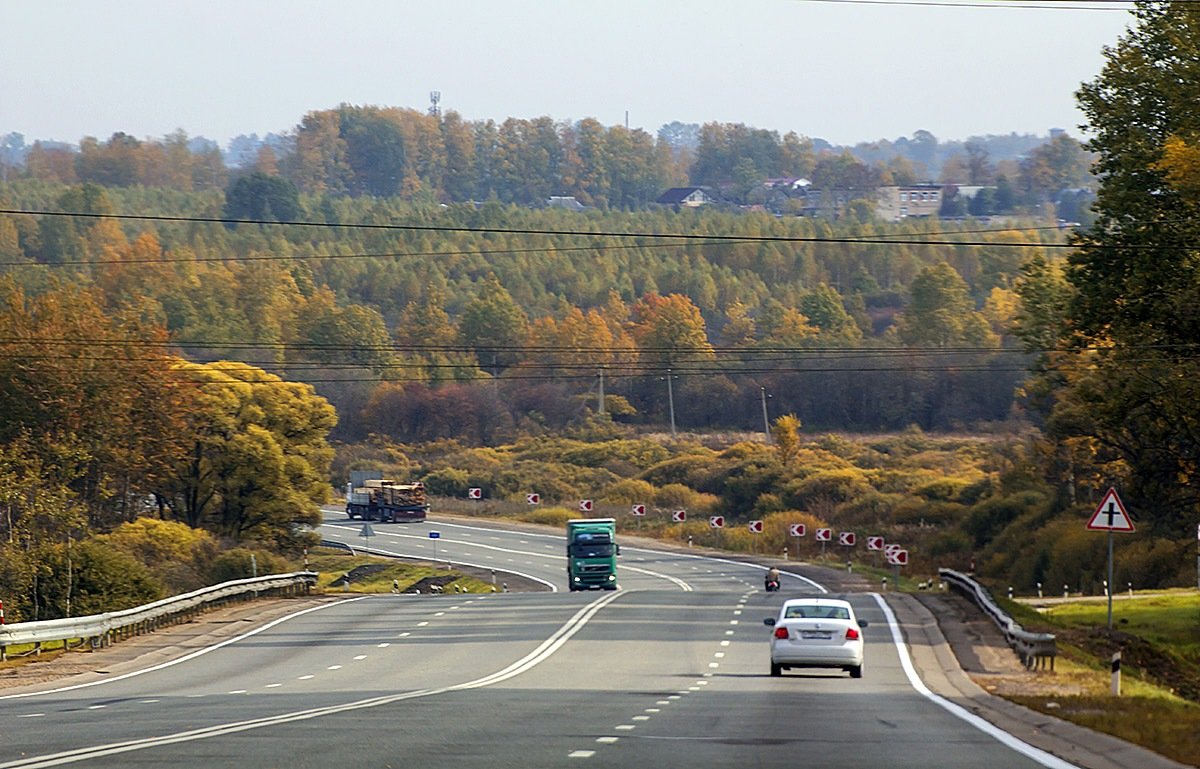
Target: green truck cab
x,y
592,554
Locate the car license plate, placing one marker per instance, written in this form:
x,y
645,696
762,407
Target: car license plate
x,y
823,635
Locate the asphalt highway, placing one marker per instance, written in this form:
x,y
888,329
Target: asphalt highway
x,y
669,671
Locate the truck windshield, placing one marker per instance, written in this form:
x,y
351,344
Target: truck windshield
x,y
592,550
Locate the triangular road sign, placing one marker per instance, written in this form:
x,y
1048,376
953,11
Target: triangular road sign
x,y
1110,515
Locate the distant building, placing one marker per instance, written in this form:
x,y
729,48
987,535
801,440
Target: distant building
x,y
896,203
830,203
567,202
685,197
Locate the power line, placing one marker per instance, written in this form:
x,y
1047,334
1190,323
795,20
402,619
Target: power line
x,y
1058,5
671,236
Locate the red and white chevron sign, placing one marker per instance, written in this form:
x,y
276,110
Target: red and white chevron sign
x,y
846,538
824,535
756,527
639,510
533,499
716,521
679,516
585,505
474,493
874,543
797,529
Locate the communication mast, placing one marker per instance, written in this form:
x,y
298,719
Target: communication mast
x,y
434,98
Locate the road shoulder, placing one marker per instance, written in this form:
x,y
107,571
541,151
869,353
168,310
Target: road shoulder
x,y
945,673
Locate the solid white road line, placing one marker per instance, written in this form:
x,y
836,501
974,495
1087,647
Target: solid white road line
x,y
534,658
1036,754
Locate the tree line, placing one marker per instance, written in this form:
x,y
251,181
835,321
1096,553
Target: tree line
x,y
396,152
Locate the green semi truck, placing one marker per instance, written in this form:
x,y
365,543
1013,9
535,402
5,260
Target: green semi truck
x,y
592,554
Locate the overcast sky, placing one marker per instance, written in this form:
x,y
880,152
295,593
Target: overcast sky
x,y
842,70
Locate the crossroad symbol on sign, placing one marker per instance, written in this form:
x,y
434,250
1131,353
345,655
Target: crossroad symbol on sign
x,y
756,527
1110,515
797,529
474,493
874,543
533,499
824,535
716,521
846,538
679,516
639,509
585,505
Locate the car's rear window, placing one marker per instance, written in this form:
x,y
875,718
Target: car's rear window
x,y
816,612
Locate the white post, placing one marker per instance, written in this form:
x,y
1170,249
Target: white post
x,y
1116,674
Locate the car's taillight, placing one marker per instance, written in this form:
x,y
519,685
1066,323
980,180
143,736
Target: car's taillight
x,y
781,632
851,634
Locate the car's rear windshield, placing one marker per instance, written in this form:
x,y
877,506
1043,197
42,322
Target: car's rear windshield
x,y
816,612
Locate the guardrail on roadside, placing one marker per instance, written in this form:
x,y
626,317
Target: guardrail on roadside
x,y
1036,650
103,629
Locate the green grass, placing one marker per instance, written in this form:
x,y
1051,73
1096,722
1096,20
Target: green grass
x,y
1161,631
332,566
1171,619
1168,727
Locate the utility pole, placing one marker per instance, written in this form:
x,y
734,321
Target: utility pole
x,y
766,422
671,402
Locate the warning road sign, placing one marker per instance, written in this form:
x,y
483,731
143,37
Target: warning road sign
x,y
898,557
1110,515
474,493
797,529
824,535
639,509
756,527
716,521
585,505
846,538
874,543
679,516
533,499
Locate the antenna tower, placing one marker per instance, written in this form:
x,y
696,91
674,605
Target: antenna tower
x,y
434,98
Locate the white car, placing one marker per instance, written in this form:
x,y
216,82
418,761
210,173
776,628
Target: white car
x,y
816,633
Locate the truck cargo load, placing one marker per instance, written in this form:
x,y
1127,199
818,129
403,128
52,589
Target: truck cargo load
x,y
377,499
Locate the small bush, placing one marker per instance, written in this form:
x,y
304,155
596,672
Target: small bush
x,y
447,482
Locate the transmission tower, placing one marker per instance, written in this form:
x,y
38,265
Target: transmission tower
x,y
434,98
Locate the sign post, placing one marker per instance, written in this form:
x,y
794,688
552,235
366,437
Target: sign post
x,y
1110,516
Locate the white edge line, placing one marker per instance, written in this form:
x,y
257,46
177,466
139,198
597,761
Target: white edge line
x,y
537,656
185,657
1048,760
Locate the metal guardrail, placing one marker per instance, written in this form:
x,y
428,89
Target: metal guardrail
x,y
1036,650
103,629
